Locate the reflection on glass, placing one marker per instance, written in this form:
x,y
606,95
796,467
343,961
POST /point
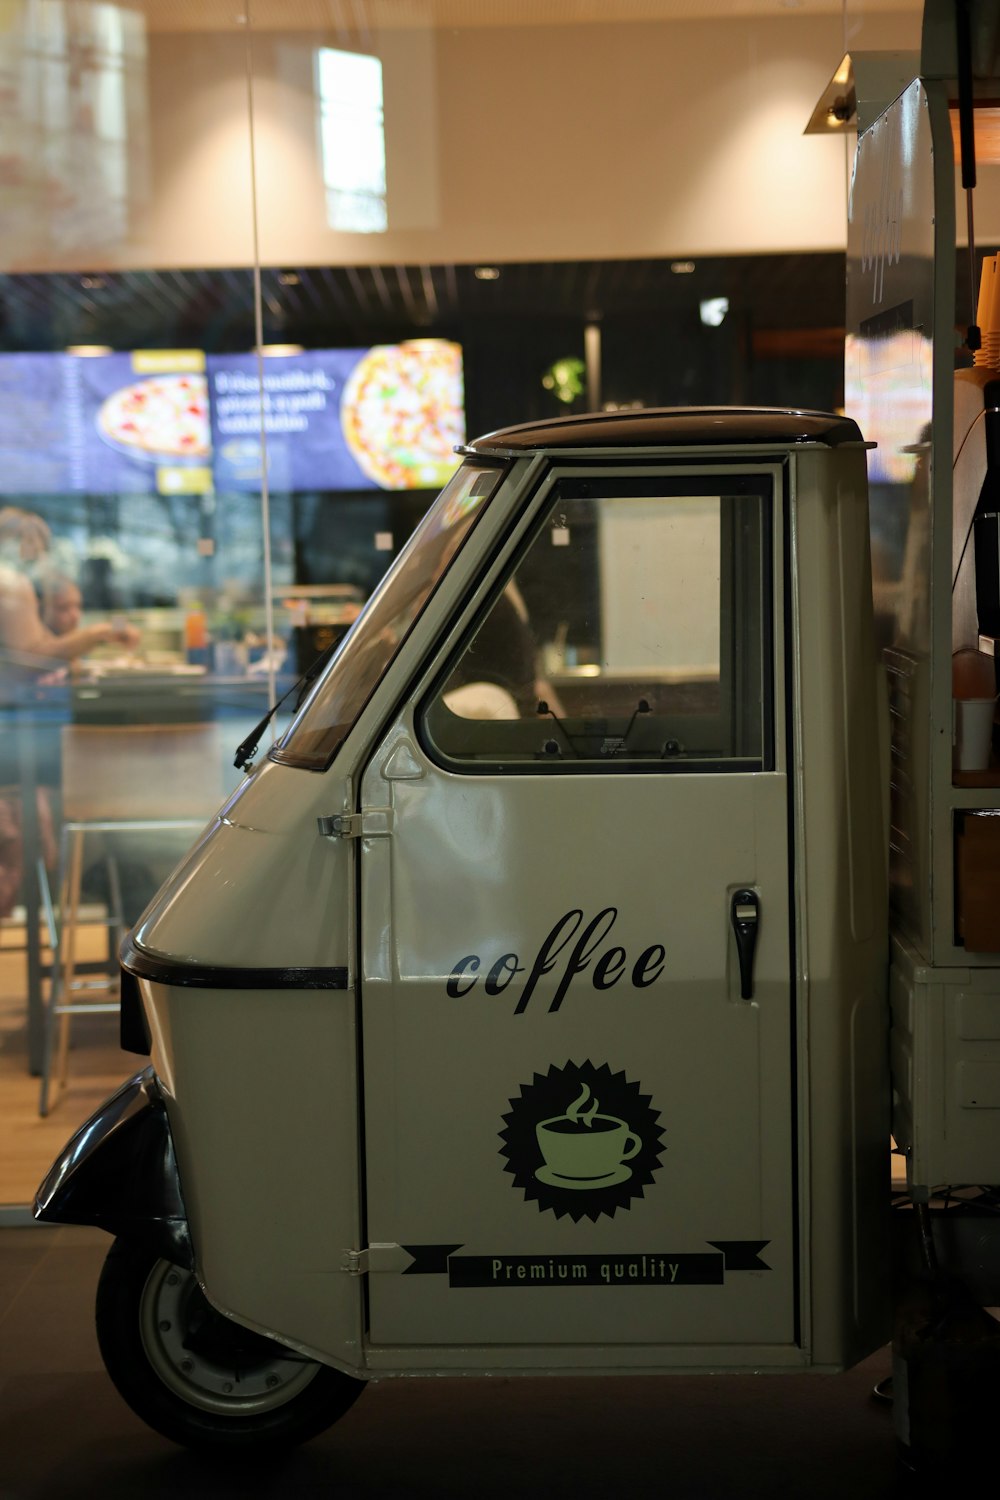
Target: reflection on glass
x,y
352,133
888,382
368,650
630,632
133,619
888,393
73,126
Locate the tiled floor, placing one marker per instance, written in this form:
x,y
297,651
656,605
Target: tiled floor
x,y
66,1435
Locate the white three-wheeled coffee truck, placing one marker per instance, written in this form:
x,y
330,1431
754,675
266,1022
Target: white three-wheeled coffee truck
x,y
526,1009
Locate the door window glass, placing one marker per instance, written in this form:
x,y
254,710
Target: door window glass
x,y
633,632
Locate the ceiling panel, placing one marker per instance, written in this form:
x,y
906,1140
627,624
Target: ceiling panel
x,y
323,306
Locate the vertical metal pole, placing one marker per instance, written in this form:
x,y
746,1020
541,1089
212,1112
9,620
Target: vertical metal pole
x,y
258,314
24,728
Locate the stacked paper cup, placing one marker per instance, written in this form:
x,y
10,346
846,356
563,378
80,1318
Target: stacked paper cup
x,y
988,314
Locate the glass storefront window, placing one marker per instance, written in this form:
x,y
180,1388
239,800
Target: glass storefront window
x,y
135,651
263,268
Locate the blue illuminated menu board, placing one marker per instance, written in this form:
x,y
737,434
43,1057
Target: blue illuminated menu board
x,y
38,455
114,424
144,420
305,444
180,422
339,419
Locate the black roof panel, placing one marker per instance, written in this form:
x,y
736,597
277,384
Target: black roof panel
x,y
675,426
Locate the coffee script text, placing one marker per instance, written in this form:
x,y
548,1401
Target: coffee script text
x,y
571,944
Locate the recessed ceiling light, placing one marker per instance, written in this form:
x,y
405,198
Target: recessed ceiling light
x,y
712,311
289,278
487,273
682,267
92,283
281,351
89,351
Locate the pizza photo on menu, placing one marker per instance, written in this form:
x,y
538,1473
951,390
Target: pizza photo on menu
x,y
162,417
402,413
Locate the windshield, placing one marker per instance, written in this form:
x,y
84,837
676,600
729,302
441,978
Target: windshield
x,y
341,693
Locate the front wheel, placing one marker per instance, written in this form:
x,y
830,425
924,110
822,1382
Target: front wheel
x,y
196,1376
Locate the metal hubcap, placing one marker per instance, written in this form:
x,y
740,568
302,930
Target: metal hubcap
x,y
206,1359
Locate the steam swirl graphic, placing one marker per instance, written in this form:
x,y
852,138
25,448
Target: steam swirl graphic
x,y
576,1111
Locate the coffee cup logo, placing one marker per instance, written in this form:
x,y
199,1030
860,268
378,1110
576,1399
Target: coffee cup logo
x,y
582,1141
583,1148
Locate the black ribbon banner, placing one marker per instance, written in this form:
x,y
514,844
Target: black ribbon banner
x,y
429,1260
639,1268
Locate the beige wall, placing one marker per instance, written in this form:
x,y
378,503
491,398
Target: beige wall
x,y
579,142
544,142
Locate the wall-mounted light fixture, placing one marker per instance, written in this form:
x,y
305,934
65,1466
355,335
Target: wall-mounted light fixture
x,y
861,88
837,106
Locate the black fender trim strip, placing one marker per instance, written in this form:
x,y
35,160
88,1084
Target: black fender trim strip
x,y
119,1172
142,964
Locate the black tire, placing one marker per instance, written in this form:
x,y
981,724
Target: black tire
x,y
196,1376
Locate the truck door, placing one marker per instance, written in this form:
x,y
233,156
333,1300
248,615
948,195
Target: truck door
x,y
576,979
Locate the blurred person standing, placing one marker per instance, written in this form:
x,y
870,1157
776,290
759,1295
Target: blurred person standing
x,y
31,646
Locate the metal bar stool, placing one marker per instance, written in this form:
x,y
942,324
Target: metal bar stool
x,y
116,779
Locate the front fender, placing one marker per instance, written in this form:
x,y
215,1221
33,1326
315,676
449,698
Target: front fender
x,y
119,1172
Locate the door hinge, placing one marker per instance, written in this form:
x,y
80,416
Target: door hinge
x,y
373,823
378,1257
